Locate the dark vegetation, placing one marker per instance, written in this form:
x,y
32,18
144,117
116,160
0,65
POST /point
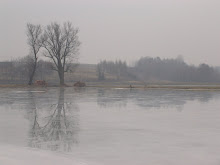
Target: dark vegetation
x,y
149,69
118,68
145,70
174,70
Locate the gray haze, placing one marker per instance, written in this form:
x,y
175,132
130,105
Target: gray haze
x,y
125,29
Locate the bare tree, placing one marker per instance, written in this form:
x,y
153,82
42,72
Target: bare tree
x,y
34,33
62,45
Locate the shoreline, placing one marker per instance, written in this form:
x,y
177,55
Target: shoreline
x,y
118,86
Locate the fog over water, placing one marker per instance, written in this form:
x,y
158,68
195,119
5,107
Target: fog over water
x,y
122,29
109,126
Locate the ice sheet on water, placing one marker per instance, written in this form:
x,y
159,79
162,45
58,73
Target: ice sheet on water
x,y
25,156
109,126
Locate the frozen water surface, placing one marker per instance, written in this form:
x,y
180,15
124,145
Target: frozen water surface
x,y
109,127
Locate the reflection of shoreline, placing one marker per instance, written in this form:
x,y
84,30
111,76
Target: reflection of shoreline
x,y
112,97
173,99
150,98
56,131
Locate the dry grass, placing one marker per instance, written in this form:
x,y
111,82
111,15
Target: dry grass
x,y
12,86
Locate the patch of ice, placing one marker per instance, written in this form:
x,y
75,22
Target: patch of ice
x,y
10,155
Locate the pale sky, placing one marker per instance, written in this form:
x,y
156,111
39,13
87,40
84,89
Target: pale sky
x,y
120,29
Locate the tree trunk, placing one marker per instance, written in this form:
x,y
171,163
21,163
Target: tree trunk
x,y
61,76
32,74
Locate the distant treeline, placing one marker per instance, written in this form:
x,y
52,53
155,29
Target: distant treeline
x,y
18,71
146,69
149,69
118,69
176,70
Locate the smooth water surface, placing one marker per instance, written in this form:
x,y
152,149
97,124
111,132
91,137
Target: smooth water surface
x,y
109,126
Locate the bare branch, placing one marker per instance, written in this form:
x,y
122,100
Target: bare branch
x,y
34,33
62,45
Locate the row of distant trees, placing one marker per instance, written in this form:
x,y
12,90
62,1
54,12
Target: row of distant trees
x,y
18,70
176,70
117,68
57,42
148,69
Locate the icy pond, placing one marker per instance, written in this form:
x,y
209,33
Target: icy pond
x,y
54,126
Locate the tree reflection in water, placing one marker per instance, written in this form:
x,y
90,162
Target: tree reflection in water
x,y
59,130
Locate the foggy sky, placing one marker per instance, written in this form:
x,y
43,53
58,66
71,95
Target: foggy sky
x,y
120,29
